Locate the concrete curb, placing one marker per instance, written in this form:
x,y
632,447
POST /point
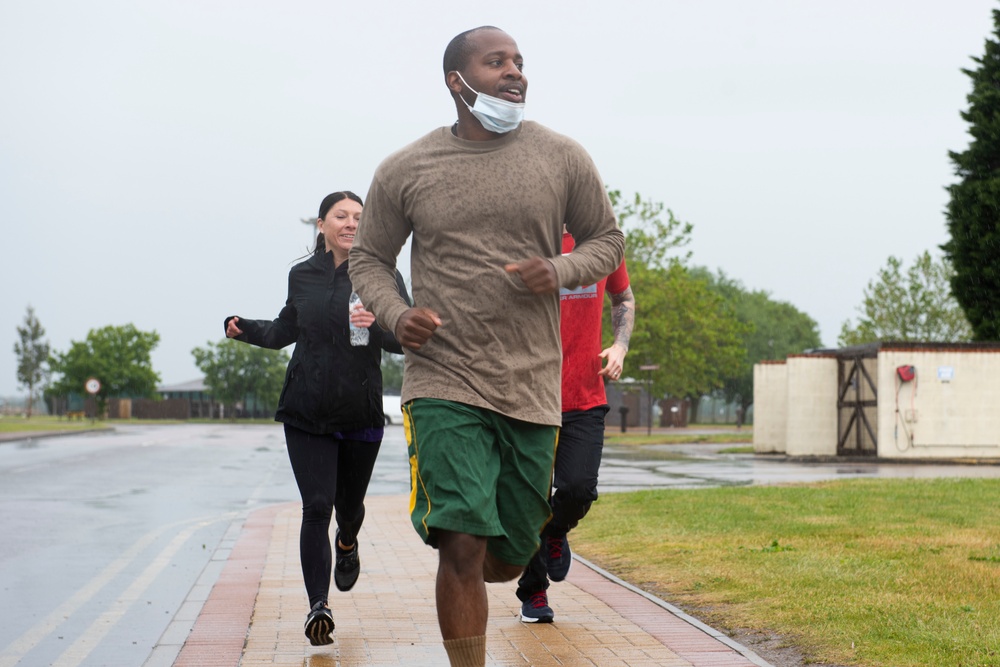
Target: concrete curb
x,y
708,630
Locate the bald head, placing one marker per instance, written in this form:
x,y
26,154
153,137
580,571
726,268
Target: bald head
x,y
461,48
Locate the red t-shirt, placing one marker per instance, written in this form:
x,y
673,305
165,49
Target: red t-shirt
x,y
580,324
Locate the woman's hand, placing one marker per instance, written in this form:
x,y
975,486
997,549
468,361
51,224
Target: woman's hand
x,y
361,317
232,331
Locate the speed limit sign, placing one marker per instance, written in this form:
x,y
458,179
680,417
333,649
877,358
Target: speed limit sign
x,y
93,385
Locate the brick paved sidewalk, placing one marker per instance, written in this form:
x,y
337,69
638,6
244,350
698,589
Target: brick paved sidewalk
x,y
255,612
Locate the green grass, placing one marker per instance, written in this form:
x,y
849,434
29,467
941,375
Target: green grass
x,y
737,450
16,424
881,573
637,438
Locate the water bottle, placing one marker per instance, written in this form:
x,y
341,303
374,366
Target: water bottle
x,y
359,335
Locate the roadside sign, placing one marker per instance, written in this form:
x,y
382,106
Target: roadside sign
x,y
93,385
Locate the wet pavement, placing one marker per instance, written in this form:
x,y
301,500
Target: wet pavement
x,y
682,466
689,466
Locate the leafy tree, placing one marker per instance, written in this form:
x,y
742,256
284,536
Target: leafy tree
x,y
649,238
119,357
917,306
680,323
32,356
974,208
235,371
774,329
392,372
685,328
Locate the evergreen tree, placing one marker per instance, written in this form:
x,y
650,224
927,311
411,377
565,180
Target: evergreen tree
x,y
974,209
32,356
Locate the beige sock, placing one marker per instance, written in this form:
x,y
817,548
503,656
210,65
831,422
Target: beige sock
x,y
466,651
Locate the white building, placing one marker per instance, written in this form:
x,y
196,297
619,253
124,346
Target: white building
x,y
890,400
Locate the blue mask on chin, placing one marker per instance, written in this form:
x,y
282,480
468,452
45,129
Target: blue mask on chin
x,y
495,114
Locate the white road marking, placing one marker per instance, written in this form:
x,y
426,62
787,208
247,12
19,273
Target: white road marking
x,y
91,637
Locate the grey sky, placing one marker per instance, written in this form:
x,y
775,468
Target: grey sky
x,y
156,157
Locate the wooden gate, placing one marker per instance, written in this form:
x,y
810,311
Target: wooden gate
x,y
857,404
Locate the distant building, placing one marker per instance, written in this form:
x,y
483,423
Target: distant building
x,y
203,406
899,400
200,402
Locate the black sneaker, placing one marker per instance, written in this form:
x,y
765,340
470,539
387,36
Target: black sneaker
x,y
558,557
347,567
319,625
536,609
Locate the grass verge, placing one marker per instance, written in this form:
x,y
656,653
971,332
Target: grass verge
x,y
46,423
900,573
737,450
678,438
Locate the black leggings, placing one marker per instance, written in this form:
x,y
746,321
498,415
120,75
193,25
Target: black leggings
x,y
331,474
578,461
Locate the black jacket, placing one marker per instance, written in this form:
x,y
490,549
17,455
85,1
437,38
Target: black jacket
x,y
330,385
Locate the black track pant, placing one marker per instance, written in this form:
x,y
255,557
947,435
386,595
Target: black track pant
x,y
331,474
578,460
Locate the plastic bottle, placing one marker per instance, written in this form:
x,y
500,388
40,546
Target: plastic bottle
x,y
359,335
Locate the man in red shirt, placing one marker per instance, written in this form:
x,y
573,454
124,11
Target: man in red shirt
x,y
581,438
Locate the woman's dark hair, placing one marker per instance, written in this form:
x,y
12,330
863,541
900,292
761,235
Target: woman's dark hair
x,y
324,208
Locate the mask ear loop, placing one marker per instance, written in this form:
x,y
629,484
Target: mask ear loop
x,y
465,83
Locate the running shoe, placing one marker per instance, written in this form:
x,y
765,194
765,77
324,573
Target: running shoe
x,y
347,567
536,609
558,557
319,625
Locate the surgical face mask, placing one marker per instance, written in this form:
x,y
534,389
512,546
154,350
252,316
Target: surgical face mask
x,y
495,114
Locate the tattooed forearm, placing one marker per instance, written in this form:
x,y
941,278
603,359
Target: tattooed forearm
x,y
623,317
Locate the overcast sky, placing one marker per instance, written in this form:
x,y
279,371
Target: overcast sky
x,y
156,157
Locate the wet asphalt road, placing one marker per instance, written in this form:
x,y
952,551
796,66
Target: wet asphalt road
x,y
107,537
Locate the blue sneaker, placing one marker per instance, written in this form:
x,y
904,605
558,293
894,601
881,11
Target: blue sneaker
x,y
558,557
536,609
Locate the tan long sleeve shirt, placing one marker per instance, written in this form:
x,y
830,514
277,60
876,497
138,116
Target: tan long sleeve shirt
x,y
472,207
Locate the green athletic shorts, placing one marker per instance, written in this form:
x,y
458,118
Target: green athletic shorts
x,y
478,472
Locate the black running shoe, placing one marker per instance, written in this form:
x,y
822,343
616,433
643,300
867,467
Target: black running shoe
x,y
319,625
536,609
348,565
558,557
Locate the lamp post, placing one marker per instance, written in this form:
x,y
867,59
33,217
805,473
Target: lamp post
x,y
649,368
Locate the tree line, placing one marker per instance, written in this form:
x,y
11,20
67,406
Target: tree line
x,y
703,330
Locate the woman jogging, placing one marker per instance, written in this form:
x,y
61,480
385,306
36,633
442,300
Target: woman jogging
x,y
331,402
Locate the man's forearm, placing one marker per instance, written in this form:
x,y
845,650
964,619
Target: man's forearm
x,y
623,317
